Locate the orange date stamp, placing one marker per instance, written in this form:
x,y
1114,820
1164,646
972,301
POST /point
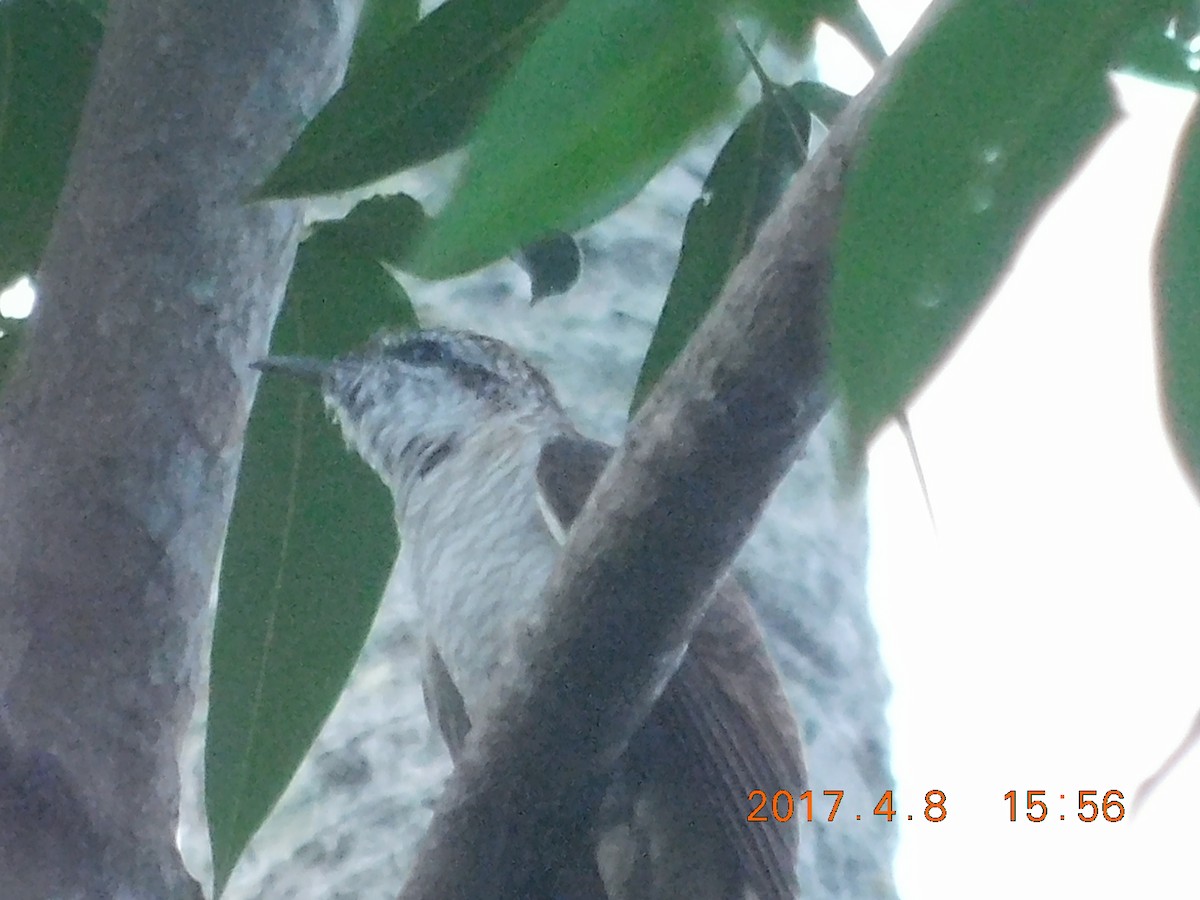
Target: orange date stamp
x,y
783,806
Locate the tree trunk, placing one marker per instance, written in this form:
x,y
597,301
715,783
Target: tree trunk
x,y
121,427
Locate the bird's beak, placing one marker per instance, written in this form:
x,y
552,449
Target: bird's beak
x,y
304,368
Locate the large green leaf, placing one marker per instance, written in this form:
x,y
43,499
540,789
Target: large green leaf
x,y
380,228
1177,282
413,100
47,50
985,121
745,183
608,92
309,546
1161,50
382,24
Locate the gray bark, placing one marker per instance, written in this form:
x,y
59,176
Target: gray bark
x,y
121,429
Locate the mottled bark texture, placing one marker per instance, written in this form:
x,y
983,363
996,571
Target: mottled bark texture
x,y
121,428
667,517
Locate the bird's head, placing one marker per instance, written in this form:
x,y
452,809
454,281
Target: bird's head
x,y
405,399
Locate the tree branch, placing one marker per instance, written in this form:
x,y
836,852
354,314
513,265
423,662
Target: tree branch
x,y
121,429
663,525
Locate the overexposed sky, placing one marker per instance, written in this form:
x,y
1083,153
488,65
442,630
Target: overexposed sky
x,y
1045,637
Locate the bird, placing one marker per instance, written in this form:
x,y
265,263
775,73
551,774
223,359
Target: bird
x,y
487,472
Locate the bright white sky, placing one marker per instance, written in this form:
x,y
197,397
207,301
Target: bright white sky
x,y
1045,637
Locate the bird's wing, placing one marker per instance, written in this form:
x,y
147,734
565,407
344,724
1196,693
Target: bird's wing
x,y
725,703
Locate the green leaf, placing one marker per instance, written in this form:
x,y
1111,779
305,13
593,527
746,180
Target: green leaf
x,y
46,54
608,92
552,264
382,23
414,100
380,228
1161,50
984,123
745,183
310,543
1177,283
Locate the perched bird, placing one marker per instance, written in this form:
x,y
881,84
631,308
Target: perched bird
x,y
487,473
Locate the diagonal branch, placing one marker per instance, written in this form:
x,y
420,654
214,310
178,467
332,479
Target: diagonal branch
x,y
663,525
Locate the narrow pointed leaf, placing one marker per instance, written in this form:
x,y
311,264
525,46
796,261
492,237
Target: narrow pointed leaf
x,y
414,100
309,546
984,123
1177,319
744,185
608,92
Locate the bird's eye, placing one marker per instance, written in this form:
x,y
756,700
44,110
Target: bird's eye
x,y
423,352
